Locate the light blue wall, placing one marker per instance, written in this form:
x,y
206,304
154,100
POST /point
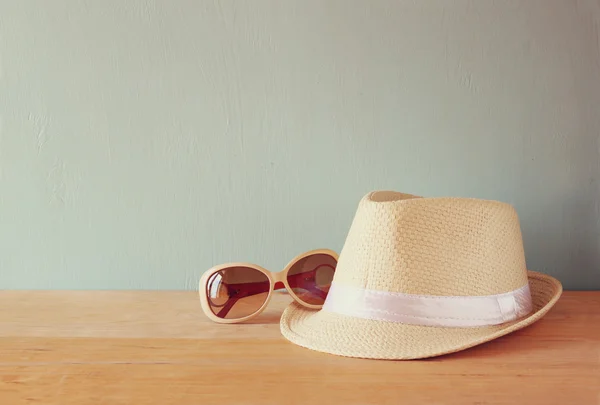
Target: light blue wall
x,y
142,142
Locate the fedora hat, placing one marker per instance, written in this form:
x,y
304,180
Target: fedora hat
x,y
420,277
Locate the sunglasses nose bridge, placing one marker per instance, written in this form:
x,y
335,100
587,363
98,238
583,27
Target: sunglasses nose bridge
x,y
279,277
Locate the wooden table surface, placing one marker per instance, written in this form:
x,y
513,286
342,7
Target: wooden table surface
x,y
158,348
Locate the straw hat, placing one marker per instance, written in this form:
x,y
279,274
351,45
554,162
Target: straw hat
x,y
421,277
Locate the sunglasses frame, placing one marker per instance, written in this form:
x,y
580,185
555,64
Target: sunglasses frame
x,y
274,278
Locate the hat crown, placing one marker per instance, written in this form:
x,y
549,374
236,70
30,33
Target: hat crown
x,y
446,246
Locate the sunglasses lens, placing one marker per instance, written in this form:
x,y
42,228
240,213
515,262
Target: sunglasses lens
x,y
237,292
310,278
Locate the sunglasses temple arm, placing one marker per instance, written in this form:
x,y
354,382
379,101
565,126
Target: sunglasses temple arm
x,y
241,290
295,281
227,307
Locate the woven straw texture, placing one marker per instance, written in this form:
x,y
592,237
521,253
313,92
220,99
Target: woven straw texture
x,y
432,246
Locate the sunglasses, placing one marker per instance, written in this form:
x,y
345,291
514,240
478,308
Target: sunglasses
x,y
237,292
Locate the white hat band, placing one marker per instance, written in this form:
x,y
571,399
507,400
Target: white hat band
x,y
429,310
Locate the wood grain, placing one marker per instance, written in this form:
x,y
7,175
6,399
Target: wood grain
x,y
157,348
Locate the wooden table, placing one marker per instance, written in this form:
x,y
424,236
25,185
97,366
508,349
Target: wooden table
x,y
158,348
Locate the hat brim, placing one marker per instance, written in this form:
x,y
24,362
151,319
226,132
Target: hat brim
x,y
343,335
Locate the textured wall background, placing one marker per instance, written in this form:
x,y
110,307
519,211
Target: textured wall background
x,y
142,142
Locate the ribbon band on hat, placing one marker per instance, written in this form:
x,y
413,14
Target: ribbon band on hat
x,y
429,310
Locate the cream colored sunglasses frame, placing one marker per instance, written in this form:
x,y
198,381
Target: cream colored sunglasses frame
x,y
274,277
